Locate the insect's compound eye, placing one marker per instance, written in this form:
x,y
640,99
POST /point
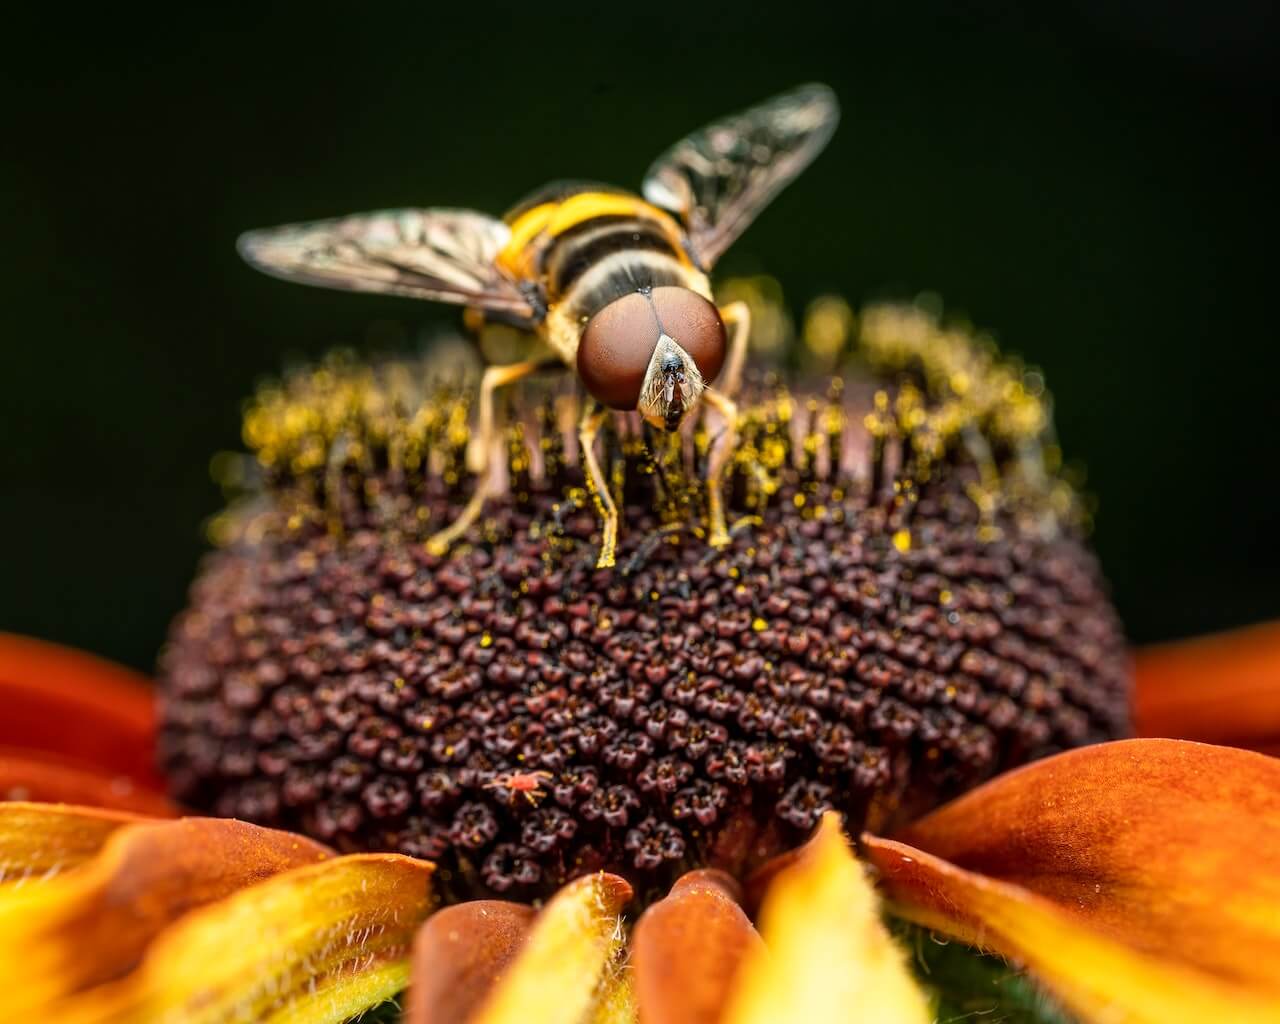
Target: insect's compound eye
x,y
615,349
696,326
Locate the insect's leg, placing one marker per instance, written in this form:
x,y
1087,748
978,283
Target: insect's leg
x,y
737,318
478,457
481,444
721,448
593,418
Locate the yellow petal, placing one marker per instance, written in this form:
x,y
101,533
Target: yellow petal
x,y
91,925
40,841
313,945
568,963
827,955
615,1002
1100,979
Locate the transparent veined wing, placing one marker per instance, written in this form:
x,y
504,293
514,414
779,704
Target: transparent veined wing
x,y
720,177
442,255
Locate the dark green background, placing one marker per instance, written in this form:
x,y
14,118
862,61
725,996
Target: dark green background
x,y
1095,182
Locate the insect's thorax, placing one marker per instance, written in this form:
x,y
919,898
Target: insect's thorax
x,y
585,245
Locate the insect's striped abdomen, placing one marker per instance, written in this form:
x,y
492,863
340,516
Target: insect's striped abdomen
x,y
565,233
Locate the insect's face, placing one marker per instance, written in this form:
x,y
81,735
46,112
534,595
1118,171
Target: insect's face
x,y
654,351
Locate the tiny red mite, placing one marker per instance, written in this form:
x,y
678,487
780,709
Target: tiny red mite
x,y
612,285
528,783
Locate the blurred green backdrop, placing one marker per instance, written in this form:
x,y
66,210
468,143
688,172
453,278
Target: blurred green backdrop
x,y
1093,182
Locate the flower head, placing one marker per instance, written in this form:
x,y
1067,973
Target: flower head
x,y
681,778
904,608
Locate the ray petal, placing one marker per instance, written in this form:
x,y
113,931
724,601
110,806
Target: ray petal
x,y
1156,863
1099,978
44,778
93,714
686,950
314,945
40,841
459,954
828,956
1168,846
92,924
1223,688
564,972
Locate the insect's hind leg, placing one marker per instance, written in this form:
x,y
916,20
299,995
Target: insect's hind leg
x,y
593,417
737,318
479,452
721,448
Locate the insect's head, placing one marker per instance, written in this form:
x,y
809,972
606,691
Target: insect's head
x,y
653,350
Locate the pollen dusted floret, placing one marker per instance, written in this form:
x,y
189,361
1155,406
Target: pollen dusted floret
x,y
905,608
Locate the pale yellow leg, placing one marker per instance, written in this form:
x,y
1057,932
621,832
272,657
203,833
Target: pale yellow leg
x,y
481,445
737,318
479,451
593,418
721,448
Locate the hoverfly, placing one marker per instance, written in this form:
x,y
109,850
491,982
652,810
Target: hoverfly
x,y
609,283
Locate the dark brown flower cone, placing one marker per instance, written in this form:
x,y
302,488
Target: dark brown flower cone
x,y
906,606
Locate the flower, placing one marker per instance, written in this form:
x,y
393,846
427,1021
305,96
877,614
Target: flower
x,y
661,793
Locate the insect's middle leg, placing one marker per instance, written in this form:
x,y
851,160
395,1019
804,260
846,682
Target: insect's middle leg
x,y
721,448
593,418
737,318
480,447
479,452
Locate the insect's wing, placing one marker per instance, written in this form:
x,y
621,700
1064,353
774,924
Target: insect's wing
x,y
720,177
443,255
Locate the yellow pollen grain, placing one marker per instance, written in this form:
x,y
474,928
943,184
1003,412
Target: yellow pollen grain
x,y
902,541
798,501
486,641
759,625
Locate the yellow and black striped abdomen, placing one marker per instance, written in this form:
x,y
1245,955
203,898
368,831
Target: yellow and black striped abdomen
x,y
586,245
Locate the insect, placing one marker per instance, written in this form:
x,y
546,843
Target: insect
x,y
611,284
528,783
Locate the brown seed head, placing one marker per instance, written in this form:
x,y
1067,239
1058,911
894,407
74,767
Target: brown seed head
x,y
905,608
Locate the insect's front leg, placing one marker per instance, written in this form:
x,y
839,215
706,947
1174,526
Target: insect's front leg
x,y
721,448
737,319
593,417
479,452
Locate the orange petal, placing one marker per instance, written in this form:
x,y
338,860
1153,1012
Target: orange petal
x,y
1221,689
1101,979
565,964
48,779
1168,846
686,949
459,954
316,944
96,715
828,956
39,842
93,924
